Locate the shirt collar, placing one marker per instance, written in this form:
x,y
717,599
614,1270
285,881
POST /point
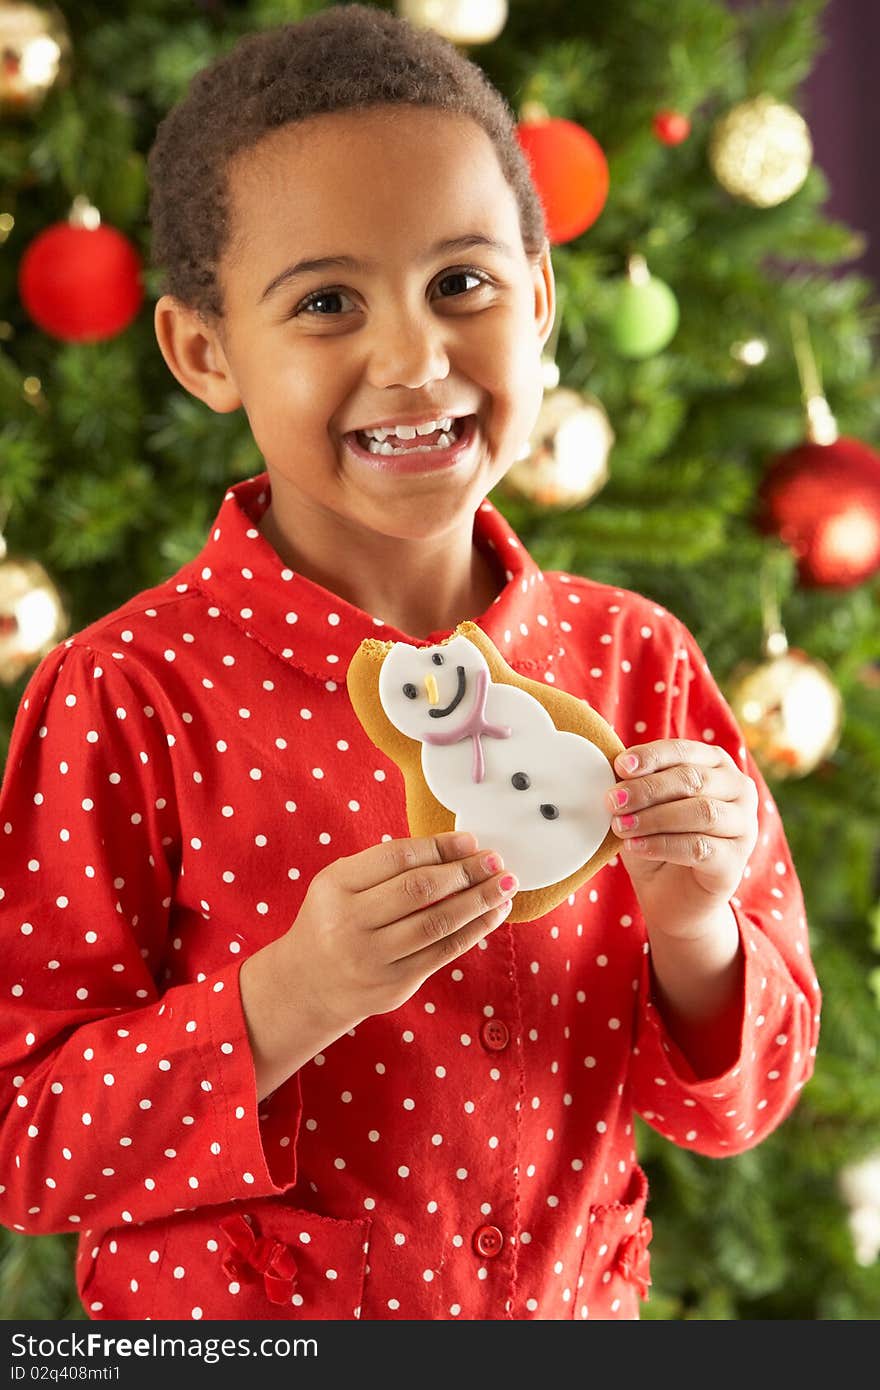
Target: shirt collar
x,y
308,625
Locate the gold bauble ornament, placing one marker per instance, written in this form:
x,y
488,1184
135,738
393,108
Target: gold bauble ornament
x,y
460,21
789,709
32,615
761,151
35,52
564,462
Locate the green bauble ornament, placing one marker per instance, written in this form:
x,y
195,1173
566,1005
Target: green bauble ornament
x,y
644,313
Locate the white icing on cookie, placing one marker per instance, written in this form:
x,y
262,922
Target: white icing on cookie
x,y
531,791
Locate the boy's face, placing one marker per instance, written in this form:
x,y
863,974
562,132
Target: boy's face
x,y
412,334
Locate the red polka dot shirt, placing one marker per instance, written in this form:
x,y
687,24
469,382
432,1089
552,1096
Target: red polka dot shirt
x,y
178,772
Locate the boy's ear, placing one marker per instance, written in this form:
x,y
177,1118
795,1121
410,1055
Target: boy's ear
x,y
545,294
194,354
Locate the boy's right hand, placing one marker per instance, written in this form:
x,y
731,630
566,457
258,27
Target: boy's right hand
x,y
375,925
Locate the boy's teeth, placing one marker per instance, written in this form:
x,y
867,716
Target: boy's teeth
x,y
378,441
375,447
410,431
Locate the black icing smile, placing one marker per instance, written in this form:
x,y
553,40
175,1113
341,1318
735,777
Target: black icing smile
x,y
459,696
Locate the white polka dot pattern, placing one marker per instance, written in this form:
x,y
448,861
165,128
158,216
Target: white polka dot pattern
x,y
178,773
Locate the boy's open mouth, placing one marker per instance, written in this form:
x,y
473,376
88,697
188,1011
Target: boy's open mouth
x,y
430,452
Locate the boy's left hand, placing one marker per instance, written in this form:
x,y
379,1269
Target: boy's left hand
x,y
694,828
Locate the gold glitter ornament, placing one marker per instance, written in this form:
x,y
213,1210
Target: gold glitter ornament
x,y
761,151
787,705
32,616
35,53
564,462
790,712
460,21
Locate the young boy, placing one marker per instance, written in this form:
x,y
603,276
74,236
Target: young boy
x,y
270,1056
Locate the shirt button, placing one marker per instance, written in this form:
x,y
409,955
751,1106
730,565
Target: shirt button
x,y
494,1035
488,1241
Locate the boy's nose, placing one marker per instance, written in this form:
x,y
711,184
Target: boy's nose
x,y
409,354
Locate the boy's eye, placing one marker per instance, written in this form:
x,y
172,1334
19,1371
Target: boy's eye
x,y
461,275
317,297
310,305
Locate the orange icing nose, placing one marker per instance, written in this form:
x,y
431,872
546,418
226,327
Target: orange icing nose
x,y
432,691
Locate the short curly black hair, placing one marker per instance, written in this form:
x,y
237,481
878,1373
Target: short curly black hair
x,y
347,56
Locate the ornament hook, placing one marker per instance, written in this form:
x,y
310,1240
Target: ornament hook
x,y
821,425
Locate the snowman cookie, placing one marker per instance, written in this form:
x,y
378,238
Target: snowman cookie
x,y
523,766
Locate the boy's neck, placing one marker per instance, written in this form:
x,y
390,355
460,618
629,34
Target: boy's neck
x,y
409,589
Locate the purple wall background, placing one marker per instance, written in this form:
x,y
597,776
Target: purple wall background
x,y
839,101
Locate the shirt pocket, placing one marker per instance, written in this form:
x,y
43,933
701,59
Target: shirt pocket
x,y
615,1267
258,1260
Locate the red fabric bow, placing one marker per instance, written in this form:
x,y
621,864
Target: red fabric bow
x,y
251,1256
633,1259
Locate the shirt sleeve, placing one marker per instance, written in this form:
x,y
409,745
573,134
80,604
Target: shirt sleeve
x,y
776,1024
118,1102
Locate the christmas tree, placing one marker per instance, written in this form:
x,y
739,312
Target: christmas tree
x,y
706,439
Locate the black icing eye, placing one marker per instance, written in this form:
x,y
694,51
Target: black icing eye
x,y
437,659
521,781
410,691
550,812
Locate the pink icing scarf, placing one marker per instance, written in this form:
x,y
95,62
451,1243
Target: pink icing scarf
x,y
473,727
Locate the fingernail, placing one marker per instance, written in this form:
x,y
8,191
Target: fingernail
x,y
508,883
629,762
504,909
493,863
621,797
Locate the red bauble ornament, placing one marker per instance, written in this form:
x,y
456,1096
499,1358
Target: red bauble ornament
x,y
81,284
671,127
570,172
823,501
